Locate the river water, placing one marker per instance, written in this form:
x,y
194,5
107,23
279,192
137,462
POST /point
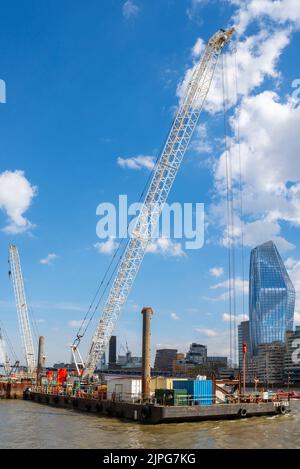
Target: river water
x,y
25,424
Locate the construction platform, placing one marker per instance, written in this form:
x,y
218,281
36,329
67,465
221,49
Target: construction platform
x,y
13,390
155,414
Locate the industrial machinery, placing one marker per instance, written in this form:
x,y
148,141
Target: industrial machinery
x,y
22,308
163,177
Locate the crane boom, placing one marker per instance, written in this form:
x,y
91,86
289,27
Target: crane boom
x,y
22,308
163,177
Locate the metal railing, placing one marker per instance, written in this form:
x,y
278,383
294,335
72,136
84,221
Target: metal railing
x,y
169,399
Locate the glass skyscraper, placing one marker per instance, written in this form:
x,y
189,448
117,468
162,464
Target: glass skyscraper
x,y
271,297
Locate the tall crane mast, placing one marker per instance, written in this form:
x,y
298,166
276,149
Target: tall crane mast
x,y
163,178
3,355
22,308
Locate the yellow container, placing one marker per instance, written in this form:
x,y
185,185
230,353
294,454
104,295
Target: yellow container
x,y
160,382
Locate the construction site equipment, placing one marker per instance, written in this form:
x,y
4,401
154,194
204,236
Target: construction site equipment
x,y
163,177
4,360
22,308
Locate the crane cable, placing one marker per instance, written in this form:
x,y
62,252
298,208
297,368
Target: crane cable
x,y
238,139
85,320
230,219
80,335
8,341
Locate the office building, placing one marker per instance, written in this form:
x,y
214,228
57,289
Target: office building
x,y
271,297
292,358
112,350
164,359
197,354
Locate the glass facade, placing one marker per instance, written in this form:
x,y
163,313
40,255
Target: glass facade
x,y
271,297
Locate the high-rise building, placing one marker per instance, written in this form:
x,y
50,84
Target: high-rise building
x,y
112,350
271,297
197,354
243,338
269,363
164,359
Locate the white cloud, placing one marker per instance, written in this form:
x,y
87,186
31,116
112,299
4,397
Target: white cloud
x,y
74,324
174,317
280,11
269,129
208,332
237,319
166,247
198,48
49,259
130,9
16,195
216,271
107,247
237,286
200,142
256,59
137,162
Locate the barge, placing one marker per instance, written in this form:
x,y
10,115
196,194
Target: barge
x,y
153,413
13,390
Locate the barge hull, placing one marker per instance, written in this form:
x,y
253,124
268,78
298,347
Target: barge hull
x,y
155,414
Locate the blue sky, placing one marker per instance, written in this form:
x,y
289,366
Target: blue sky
x,y
90,83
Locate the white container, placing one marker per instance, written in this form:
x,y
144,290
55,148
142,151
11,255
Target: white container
x,y
124,389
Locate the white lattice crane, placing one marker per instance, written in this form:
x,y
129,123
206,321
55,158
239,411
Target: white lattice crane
x,y
22,308
163,178
4,360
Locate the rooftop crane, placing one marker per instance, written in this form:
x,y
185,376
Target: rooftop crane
x,y
164,174
22,308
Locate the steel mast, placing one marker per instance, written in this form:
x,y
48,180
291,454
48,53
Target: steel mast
x,y
4,356
162,180
22,308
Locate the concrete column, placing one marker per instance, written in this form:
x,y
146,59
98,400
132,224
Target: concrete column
x,y
41,358
146,355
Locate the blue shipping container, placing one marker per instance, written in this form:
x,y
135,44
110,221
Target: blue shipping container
x,y
201,392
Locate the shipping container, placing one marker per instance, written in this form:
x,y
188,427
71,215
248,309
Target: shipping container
x,y
199,392
174,397
161,382
124,389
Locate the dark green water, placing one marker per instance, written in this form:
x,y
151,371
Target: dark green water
x,y
28,425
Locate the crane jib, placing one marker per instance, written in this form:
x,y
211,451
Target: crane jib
x,y
22,308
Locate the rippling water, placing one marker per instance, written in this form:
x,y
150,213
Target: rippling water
x,y
25,424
